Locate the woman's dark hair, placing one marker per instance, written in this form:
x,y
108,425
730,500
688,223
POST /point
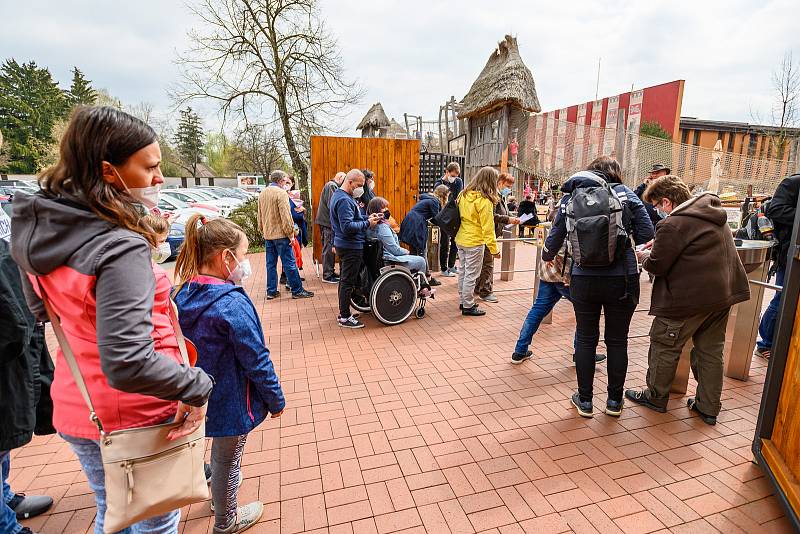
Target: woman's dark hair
x,y
95,135
368,175
377,205
608,168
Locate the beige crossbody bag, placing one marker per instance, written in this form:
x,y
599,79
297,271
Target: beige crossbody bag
x,y
145,473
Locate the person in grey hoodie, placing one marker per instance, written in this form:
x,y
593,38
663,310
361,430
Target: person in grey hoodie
x,y
323,220
83,246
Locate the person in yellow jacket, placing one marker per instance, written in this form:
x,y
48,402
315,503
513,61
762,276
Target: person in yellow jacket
x,y
476,207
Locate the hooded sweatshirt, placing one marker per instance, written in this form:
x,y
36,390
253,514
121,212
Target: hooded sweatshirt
x,y
414,228
100,281
221,321
694,260
477,221
641,228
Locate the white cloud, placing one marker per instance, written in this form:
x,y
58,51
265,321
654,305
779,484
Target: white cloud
x,y
412,55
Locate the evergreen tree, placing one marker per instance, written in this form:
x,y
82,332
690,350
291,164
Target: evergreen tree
x,y
189,141
81,91
30,103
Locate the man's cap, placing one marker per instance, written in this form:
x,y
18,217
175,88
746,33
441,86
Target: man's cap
x,y
660,167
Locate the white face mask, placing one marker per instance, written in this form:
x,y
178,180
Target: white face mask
x,y
451,179
358,191
148,196
372,186
242,271
162,253
287,187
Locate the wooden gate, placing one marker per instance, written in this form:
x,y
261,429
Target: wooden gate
x,y
395,163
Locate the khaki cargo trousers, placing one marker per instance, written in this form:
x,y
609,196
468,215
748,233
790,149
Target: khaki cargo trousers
x,y
667,339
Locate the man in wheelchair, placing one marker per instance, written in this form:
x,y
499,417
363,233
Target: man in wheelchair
x,y
394,284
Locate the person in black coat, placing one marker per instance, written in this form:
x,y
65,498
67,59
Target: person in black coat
x,y
781,211
526,207
414,228
447,243
26,373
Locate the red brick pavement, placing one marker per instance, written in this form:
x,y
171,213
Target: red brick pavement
x,y
426,427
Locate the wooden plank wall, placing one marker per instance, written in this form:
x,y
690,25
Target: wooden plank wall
x,y
395,163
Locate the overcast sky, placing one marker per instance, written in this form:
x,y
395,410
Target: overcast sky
x,y
413,55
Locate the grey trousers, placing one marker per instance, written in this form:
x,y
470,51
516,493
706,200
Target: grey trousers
x,y
471,259
328,257
226,459
667,339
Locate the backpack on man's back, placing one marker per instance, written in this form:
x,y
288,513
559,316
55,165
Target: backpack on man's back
x,y
597,221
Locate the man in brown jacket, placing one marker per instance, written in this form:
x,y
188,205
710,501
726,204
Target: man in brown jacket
x,y
277,227
698,277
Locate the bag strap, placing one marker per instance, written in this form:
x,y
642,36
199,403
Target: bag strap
x,y
69,356
176,325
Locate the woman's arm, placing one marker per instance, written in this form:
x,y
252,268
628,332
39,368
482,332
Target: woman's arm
x,y
124,292
388,240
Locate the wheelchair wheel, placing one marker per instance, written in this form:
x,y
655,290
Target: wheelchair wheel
x,y
393,297
420,313
360,302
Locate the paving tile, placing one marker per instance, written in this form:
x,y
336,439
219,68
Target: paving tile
x,y
639,523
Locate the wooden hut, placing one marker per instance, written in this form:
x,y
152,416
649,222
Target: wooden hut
x,y
498,103
375,123
396,130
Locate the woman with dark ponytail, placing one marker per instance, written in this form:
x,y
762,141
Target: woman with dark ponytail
x,y
83,240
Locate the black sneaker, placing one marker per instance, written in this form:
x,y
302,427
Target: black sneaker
x,y
517,358
614,408
273,295
597,358
282,279
434,282
331,279
584,407
27,506
639,396
691,402
474,311
350,322
26,530
302,294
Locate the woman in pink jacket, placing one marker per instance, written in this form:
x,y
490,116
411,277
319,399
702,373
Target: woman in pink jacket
x,y
84,238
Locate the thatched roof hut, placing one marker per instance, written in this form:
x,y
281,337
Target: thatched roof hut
x,y
396,130
375,121
504,80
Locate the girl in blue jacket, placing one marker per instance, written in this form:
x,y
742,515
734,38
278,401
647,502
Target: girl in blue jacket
x,y
219,318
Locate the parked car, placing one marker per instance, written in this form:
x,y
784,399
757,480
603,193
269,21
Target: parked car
x,y
5,204
175,238
230,192
218,199
194,200
181,210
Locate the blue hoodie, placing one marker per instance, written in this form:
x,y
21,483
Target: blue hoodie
x,y
349,223
220,319
642,229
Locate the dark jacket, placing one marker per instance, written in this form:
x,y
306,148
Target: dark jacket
x,y
694,260
323,217
300,220
782,210
414,228
455,188
655,218
349,223
26,370
501,216
526,207
220,319
641,229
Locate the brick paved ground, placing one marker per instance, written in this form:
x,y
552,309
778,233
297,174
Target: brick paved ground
x,y
426,427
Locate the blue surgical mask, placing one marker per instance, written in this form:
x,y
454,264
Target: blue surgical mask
x,y
505,191
661,213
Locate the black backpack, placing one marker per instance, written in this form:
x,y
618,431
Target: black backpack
x,y
449,218
597,221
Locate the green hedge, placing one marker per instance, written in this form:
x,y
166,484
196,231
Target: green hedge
x,y
246,216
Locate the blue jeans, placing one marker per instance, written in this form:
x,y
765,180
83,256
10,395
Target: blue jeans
x,y
767,327
546,299
8,519
88,453
282,248
412,263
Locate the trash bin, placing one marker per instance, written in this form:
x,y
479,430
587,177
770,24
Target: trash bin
x,y
433,248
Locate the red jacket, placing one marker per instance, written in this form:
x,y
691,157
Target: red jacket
x,y
113,307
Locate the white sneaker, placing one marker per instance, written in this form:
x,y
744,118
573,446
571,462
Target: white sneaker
x,y
350,322
246,516
489,298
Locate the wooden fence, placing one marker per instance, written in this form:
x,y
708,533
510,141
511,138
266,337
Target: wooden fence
x,y
395,163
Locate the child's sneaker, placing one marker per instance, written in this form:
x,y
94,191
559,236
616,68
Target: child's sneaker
x,y
246,516
350,322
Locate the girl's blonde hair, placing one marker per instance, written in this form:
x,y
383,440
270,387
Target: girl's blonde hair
x,y
485,183
204,238
158,224
442,192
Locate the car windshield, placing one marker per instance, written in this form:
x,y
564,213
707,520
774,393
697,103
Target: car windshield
x,y
171,202
200,195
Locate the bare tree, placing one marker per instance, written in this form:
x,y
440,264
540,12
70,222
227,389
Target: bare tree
x,y
271,62
256,148
784,116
